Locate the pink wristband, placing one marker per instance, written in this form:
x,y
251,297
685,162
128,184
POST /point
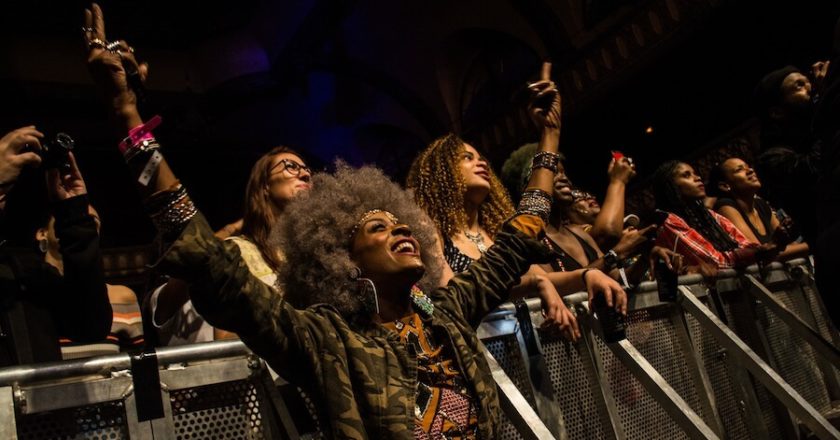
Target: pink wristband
x,y
140,133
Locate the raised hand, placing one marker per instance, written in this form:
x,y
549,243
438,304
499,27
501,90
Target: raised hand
x,y
818,73
14,158
107,62
545,106
64,184
621,170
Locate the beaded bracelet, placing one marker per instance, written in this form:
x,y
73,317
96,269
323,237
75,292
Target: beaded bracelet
x,y
171,210
535,202
545,159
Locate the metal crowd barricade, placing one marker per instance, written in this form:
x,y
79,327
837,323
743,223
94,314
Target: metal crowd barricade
x,y
202,391
213,390
682,372
778,313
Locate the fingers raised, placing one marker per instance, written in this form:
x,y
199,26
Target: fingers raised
x,y
98,23
545,74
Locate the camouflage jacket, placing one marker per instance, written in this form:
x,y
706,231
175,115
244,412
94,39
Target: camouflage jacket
x,y
364,376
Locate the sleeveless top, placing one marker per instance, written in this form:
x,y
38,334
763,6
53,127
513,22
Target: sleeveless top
x,y
564,262
457,260
765,215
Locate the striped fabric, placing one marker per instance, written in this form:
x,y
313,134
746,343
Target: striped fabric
x,y
126,334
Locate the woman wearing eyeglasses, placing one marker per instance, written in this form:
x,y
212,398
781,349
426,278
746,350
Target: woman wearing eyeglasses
x,y
276,178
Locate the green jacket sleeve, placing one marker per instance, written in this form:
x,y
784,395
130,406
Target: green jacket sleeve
x,y
486,284
229,297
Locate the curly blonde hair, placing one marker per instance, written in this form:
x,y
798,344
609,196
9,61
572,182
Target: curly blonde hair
x,y
439,188
316,236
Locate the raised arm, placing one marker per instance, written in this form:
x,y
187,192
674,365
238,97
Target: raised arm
x,y
220,284
609,224
81,307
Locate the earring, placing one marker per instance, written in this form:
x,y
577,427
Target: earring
x,y
367,290
42,246
422,303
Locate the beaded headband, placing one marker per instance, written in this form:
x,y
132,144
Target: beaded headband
x,y
367,215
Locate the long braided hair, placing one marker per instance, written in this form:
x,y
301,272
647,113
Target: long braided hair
x,y
692,211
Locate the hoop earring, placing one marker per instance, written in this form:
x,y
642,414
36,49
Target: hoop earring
x,y
42,246
367,290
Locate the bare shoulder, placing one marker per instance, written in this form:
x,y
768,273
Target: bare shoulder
x,y
121,294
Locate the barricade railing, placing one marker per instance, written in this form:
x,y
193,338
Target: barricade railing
x,y
213,390
209,390
681,372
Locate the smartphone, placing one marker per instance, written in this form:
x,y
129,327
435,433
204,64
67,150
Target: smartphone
x,y
667,282
612,322
659,217
617,155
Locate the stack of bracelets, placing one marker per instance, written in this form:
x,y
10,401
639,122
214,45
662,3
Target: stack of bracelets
x,y
536,201
171,210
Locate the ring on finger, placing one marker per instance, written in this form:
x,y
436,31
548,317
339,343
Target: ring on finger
x,y
112,46
86,29
96,42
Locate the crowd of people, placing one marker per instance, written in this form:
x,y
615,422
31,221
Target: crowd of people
x,y
368,293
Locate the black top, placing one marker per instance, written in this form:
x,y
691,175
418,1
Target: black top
x,y
37,304
563,262
765,214
457,260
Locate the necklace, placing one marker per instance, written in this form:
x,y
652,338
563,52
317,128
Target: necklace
x,y
477,239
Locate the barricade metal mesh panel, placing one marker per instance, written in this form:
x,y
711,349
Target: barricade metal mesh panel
x,y
815,303
729,405
734,309
652,333
505,349
795,359
229,410
96,422
572,389
641,416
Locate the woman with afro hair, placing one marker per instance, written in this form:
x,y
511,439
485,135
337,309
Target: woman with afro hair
x,y
387,353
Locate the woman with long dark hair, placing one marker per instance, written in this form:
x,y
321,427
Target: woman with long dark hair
x,y
703,237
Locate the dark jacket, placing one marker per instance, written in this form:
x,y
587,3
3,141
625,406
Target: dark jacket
x,y
363,375
38,305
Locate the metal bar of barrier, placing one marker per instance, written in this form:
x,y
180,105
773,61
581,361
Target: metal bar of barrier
x,y
519,412
698,373
744,320
8,427
103,365
759,369
795,323
661,391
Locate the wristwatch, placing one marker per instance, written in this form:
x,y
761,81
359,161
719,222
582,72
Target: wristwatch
x,y
610,260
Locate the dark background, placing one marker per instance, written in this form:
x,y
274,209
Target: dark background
x,y
374,82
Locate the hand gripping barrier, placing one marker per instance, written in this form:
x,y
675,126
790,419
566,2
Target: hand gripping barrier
x,y
681,373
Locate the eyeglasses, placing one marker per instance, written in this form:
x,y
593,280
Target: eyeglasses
x,y
292,167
